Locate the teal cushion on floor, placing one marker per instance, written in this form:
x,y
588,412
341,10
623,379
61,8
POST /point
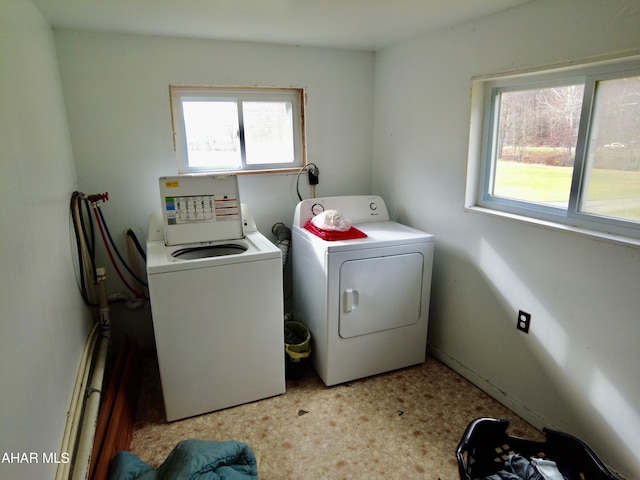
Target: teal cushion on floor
x,y
193,459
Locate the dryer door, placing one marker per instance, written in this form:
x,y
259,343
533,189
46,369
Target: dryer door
x,y
380,293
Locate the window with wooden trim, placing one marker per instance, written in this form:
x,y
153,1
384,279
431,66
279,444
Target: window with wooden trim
x,y
229,129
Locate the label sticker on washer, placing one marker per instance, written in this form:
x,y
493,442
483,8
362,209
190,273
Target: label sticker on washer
x,y
201,209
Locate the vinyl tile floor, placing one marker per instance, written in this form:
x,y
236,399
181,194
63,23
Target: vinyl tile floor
x,y
404,424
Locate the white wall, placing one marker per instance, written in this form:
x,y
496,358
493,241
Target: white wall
x,y
43,325
577,370
574,371
116,90
117,95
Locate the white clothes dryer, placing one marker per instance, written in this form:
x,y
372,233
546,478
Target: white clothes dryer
x,y
365,300
216,299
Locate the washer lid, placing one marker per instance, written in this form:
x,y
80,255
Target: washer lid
x,y
255,246
200,208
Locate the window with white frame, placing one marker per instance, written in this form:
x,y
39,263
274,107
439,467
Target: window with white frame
x,y
228,129
562,146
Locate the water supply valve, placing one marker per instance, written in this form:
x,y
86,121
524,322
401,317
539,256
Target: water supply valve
x,y
96,197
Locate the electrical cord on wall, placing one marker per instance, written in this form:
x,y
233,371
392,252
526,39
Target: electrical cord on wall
x,y
314,173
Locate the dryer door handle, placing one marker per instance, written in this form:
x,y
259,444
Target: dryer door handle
x,y
351,298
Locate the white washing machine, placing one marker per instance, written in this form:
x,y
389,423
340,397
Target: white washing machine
x,y
215,284
365,300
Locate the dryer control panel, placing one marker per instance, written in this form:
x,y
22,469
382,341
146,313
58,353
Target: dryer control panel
x,y
356,208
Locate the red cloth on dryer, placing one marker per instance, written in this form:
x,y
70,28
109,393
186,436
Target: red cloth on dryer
x,y
332,235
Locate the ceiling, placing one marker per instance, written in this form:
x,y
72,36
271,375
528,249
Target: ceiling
x,y
351,24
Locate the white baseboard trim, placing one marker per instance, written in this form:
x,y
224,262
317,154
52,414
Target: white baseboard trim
x,y
487,387
499,395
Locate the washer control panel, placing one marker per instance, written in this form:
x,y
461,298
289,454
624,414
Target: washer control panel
x,y
200,208
356,208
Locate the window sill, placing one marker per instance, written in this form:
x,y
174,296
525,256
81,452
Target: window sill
x,y
559,227
270,171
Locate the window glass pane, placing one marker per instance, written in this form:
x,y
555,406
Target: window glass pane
x,y
211,129
612,176
219,129
268,132
534,144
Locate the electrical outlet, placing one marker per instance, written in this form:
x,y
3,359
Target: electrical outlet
x,y
524,321
314,173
